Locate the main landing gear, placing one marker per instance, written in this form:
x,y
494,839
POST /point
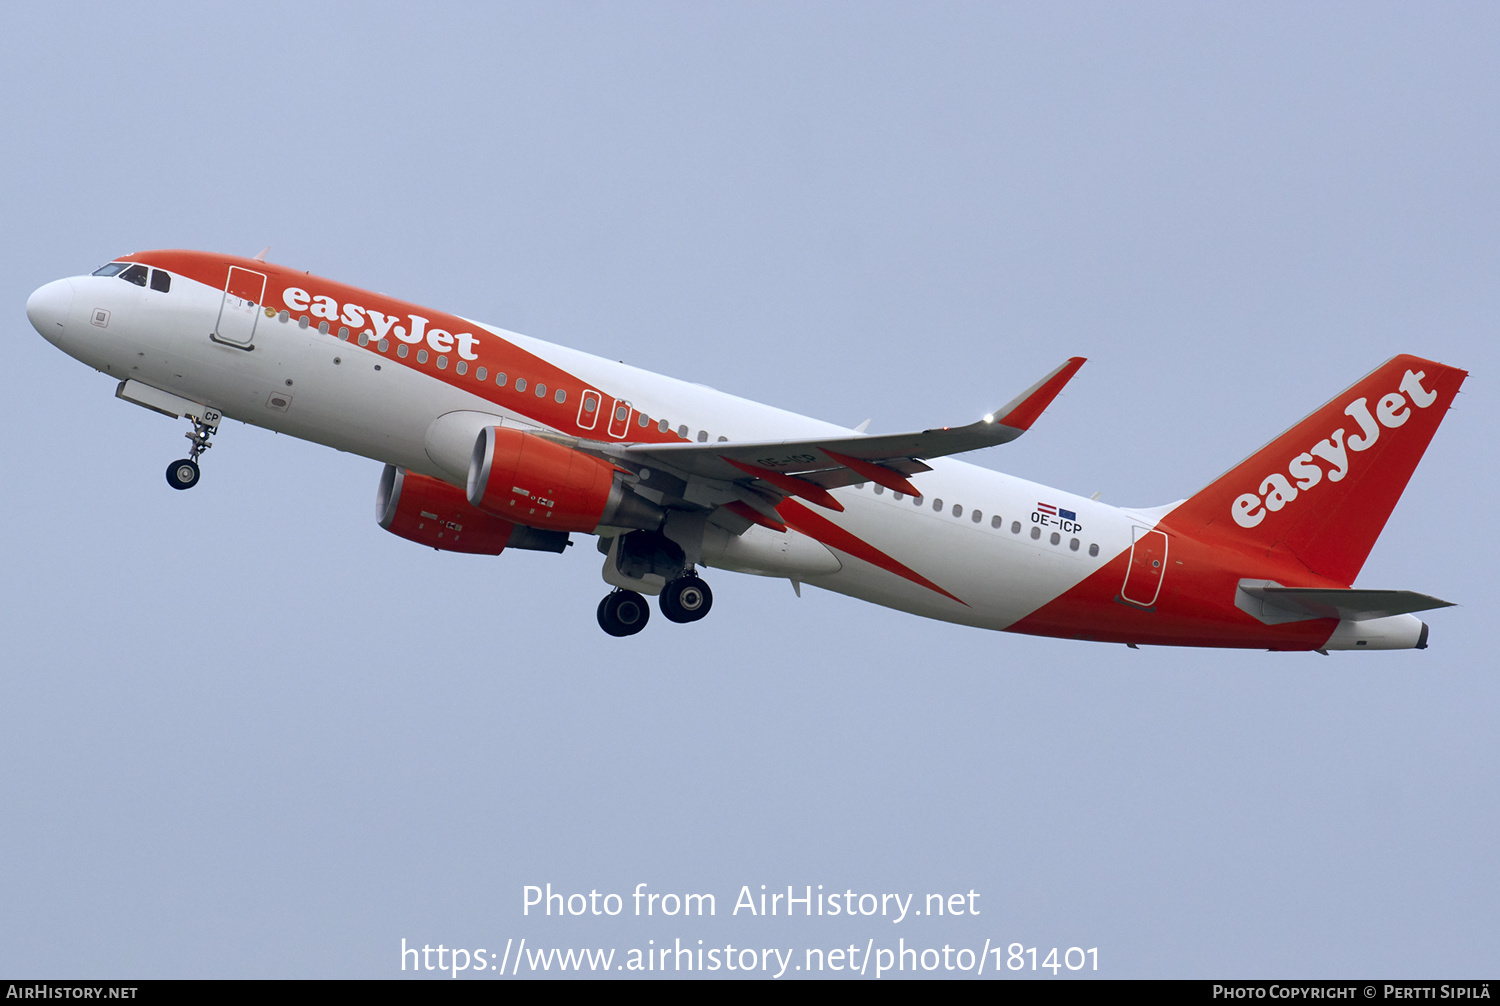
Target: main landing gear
x,y
623,613
685,599
184,473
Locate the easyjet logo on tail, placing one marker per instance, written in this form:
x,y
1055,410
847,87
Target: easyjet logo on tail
x,y
381,325
1277,490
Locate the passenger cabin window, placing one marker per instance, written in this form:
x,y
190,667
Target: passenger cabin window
x,y
113,269
161,282
135,274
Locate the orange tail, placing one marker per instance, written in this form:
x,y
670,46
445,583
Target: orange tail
x,y
1323,490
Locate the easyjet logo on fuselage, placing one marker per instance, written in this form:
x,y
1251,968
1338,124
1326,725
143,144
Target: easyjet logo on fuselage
x,y
1276,490
381,325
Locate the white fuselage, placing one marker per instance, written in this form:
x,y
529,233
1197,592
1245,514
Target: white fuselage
x,y
337,393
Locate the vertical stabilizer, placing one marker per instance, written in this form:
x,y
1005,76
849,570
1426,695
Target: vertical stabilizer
x,y
1323,490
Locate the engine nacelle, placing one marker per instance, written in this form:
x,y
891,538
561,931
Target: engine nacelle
x,y
433,513
532,481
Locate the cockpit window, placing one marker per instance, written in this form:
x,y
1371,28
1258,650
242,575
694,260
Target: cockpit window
x,y
161,282
135,274
113,269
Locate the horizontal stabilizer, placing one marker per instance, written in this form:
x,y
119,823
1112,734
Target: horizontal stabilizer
x,y
1352,603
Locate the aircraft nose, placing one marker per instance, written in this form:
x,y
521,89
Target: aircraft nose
x,y
48,308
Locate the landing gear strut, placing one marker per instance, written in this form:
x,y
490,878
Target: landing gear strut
x,y
686,599
623,613
184,473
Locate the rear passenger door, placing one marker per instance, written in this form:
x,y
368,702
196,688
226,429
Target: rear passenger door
x,y
1148,561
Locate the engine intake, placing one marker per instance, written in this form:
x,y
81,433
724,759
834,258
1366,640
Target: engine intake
x,y
431,512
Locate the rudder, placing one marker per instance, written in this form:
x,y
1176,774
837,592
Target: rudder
x,y
1324,489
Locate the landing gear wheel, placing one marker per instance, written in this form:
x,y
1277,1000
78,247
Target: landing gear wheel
x,y
686,599
623,613
182,474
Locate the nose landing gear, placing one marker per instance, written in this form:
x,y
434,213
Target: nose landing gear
x,y
184,473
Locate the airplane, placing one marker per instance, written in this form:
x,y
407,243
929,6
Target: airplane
x,y
492,440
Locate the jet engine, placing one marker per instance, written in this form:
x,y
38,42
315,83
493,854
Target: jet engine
x,y
431,512
529,480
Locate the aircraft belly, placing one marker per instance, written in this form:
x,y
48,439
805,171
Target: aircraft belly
x,y
764,552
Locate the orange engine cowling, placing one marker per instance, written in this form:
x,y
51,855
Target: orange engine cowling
x,y
536,482
433,513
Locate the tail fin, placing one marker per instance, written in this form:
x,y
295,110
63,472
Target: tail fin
x,y
1324,489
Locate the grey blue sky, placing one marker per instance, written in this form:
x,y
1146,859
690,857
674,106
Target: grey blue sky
x,y
246,732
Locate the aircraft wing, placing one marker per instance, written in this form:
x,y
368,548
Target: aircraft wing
x,y
809,468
